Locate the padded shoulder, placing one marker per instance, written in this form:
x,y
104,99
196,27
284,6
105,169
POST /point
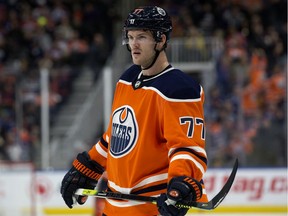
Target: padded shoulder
x,y
131,73
178,85
172,83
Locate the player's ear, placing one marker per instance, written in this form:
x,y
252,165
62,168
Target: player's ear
x,y
163,38
161,44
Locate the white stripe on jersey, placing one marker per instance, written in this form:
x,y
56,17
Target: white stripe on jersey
x,y
100,150
194,148
188,157
144,182
171,99
162,95
123,204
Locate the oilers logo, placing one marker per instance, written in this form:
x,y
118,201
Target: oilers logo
x,y
124,131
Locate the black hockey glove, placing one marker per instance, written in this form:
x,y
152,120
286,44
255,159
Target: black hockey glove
x,y
180,189
84,173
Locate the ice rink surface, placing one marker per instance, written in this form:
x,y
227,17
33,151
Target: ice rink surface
x,y
242,214
226,214
238,214
283,212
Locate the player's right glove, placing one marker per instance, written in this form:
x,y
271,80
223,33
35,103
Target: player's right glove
x,y
180,189
84,173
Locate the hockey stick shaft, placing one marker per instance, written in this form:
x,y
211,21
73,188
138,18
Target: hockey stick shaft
x,y
212,204
114,195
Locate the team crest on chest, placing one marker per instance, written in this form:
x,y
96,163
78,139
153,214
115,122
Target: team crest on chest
x,y
124,132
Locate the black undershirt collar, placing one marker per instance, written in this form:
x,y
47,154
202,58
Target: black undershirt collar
x,y
138,83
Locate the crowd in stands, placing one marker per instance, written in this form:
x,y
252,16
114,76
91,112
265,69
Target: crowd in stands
x,y
61,35
245,108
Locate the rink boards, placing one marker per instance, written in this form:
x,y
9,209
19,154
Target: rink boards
x,y
38,193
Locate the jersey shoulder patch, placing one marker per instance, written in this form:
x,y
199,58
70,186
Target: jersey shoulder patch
x,y
172,83
177,85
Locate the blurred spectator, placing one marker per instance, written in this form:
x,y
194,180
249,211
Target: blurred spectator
x,y
58,31
275,88
249,93
246,107
97,54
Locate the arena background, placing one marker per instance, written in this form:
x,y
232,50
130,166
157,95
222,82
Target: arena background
x,y
59,61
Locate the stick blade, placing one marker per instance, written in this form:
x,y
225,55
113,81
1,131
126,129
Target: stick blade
x,y
222,193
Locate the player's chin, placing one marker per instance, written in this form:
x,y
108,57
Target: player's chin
x,y
136,61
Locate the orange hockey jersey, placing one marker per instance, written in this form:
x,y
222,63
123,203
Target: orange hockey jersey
x,y
156,132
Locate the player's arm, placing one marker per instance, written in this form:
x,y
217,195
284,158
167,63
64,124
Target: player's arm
x,y
184,130
98,152
85,172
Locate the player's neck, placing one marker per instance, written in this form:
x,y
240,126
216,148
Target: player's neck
x,y
160,64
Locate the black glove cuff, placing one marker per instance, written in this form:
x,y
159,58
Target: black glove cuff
x,y
197,187
184,188
87,167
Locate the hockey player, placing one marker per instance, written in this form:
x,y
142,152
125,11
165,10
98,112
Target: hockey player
x,y
155,142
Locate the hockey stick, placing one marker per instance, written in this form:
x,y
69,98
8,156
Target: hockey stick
x,y
212,204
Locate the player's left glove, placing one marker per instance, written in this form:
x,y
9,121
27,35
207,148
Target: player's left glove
x,y
84,173
180,189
